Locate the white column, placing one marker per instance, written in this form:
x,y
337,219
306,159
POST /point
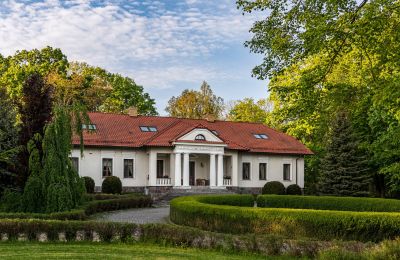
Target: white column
x,y
235,171
178,177
152,168
212,171
186,169
220,170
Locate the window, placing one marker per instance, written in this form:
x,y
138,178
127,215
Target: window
x,y
246,171
286,172
160,168
88,127
148,128
107,167
128,168
75,163
261,136
262,171
200,137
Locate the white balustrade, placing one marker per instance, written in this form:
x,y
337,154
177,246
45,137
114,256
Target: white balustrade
x,y
163,181
227,182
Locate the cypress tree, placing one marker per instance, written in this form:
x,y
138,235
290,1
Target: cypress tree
x,y
344,169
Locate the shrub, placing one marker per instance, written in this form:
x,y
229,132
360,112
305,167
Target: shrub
x,y
111,184
11,201
273,187
329,203
232,200
295,223
293,189
89,184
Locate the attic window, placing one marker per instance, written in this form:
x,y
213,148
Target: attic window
x,y
89,127
200,137
261,136
148,128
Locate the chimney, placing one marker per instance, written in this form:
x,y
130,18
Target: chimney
x,y
210,118
132,111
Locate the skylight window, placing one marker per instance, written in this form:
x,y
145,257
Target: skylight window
x,y
89,127
148,128
261,136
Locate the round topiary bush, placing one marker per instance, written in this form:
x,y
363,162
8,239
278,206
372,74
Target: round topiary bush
x,y
111,184
273,187
293,189
89,184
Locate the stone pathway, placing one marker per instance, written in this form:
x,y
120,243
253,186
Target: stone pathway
x,y
158,214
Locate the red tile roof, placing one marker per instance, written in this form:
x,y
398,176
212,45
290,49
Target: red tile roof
x,y
117,130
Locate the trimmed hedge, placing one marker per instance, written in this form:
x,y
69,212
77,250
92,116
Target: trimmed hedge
x,y
89,184
294,223
91,207
231,199
112,185
329,203
293,189
53,230
274,187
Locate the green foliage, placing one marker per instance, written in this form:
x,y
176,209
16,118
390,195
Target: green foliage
x,y
293,189
294,223
10,201
112,185
8,141
344,170
196,104
247,110
273,187
329,203
89,184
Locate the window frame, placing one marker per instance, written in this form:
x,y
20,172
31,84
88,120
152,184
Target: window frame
x,y
102,166
261,136
259,171
163,168
144,128
133,168
200,137
249,178
290,171
152,129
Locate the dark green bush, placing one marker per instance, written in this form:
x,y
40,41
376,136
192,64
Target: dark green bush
x,y
295,223
89,184
293,189
329,203
10,201
112,185
273,187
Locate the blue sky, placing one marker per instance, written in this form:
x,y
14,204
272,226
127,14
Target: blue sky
x,y
166,46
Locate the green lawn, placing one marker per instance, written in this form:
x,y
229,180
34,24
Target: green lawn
x,y
28,250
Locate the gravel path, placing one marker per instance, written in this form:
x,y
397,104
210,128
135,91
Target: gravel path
x,y
139,216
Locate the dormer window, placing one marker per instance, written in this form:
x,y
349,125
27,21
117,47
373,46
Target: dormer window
x,y
261,136
148,128
200,137
89,127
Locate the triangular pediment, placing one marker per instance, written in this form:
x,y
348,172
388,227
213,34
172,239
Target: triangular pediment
x,y
196,135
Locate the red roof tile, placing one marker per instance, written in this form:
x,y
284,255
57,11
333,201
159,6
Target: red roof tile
x,y
117,130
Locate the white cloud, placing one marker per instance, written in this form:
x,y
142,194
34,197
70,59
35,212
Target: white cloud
x,y
161,45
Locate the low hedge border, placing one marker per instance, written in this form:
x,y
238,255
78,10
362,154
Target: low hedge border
x,y
164,234
329,203
294,223
89,208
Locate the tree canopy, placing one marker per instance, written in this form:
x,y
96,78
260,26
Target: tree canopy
x,y
196,104
248,110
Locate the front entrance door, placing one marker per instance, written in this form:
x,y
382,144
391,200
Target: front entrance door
x,y
192,173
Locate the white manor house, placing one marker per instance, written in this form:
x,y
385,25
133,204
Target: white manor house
x,y
163,153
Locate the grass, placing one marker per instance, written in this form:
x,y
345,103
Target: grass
x,y
85,250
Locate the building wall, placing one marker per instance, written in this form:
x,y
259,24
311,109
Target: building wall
x,y
91,165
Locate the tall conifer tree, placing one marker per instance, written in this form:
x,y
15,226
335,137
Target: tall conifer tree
x,y
344,167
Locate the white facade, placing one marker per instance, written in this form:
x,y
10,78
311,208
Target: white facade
x,y
189,164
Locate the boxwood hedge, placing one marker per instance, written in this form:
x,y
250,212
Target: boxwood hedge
x,y
294,223
329,203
